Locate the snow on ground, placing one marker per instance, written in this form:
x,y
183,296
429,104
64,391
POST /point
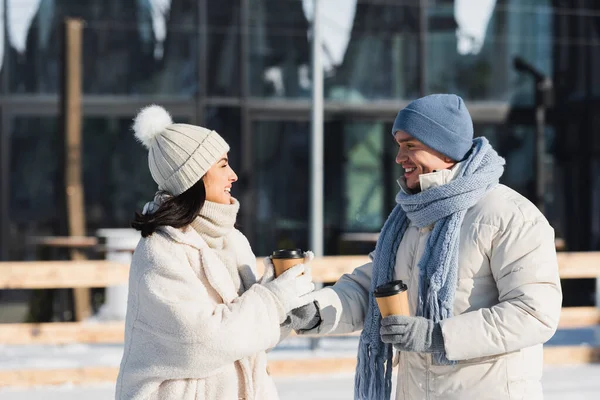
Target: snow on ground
x,y
560,383
581,382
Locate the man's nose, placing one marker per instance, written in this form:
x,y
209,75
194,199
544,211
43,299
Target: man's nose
x,y
400,157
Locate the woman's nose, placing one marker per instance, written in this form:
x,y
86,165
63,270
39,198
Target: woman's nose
x,y
233,176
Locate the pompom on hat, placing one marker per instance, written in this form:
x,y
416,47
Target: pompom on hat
x,y
179,155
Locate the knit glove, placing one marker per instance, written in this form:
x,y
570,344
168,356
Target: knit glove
x,y
412,334
292,286
269,273
247,278
304,318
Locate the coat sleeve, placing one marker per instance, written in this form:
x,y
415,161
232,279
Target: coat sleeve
x,y
524,266
194,335
343,306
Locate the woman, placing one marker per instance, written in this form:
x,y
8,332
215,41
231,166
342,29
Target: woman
x,y
197,326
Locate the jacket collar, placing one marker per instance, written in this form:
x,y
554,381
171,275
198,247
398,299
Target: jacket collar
x,y
432,179
215,271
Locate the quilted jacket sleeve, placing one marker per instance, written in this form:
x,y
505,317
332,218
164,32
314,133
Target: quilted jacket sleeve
x,y
524,266
343,306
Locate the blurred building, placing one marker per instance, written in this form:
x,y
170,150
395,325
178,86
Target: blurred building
x,y
242,67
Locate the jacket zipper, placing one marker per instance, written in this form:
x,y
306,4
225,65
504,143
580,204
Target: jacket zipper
x,y
423,232
415,261
428,358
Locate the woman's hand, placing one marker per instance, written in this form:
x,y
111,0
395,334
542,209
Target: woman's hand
x,y
269,273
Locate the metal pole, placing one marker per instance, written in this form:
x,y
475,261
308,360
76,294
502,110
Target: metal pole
x,y
540,153
5,125
423,35
316,144
5,57
202,37
316,164
246,178
544,99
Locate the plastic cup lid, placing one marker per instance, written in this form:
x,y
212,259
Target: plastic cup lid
x,y
288,253
390,288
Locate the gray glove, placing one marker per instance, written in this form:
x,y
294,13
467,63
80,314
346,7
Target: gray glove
x,y
304,318
247,278
412,334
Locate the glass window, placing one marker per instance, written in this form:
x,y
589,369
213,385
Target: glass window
x,y
365,172
516,143
116,178
363,150
369,49
279,49
129,46
223,63
35,169
281,183
472,44
226,121
359,183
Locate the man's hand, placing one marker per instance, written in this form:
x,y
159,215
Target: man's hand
x,y
304,318
412,334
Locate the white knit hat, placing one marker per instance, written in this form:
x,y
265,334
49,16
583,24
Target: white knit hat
x,y
179,154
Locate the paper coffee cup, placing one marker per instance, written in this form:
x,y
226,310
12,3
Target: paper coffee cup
x,y
392,299
285,259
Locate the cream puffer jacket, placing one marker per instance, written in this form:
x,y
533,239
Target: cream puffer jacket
x,y
508,301
188,335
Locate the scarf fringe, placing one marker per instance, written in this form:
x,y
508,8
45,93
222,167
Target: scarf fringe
x,y
376,383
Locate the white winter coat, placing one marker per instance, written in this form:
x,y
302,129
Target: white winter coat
x,y
508,301
188,335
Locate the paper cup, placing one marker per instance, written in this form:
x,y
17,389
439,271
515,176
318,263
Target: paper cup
x,y
392,299
285,259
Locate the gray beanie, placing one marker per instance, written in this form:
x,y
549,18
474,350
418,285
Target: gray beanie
x,y
441,122
179,154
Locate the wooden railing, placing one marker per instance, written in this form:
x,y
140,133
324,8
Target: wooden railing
x,y
80,274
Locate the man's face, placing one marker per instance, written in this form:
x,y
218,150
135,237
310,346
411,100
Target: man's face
x,y
416,159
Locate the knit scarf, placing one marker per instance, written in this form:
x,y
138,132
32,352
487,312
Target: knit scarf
x,y
214,223
444,207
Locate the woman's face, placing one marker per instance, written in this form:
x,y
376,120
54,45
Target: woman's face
x,y
218,181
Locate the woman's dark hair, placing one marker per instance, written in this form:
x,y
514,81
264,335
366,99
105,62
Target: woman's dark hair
x,y
177,211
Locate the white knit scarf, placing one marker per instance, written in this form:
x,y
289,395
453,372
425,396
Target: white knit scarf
x,y
214,223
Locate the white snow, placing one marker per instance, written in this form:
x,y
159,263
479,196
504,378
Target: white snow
x,y
564,382
580,382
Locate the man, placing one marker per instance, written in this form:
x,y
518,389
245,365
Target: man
x,y
480,265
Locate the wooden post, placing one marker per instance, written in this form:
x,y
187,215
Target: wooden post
x,y
71,114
